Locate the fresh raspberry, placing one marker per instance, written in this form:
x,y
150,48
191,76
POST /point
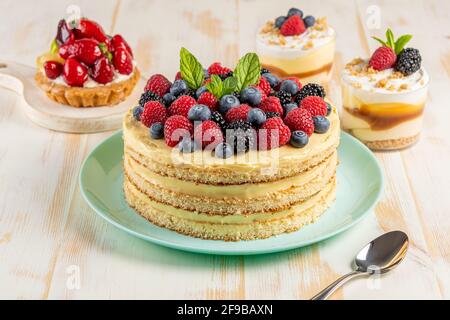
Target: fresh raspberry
x,y
208,133
176,128
178,76
217,68
263,94
271,104
293,26
158,84
264,85
315,105
383,58
182,105
277,134
296,80
238,113
208,99
153,112
300,119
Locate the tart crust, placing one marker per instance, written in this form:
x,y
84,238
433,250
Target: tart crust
x,y
108,95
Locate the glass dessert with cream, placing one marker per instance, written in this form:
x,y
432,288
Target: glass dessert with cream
x,y
384,97
297,46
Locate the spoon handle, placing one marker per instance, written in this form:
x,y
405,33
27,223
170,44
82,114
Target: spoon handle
x,y
328,291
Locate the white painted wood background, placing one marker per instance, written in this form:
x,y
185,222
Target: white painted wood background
x,y
47,231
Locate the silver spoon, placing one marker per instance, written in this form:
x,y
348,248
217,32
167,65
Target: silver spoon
x,y
379,256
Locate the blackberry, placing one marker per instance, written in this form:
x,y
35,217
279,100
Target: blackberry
x,y
218,118
240,135
189,92
408,61
148,96
237,95
226,75
311,89
264,70
285,97
272,115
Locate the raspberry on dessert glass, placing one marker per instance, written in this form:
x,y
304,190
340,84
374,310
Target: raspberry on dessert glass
x,y
299,46
227,154
384,97
85,67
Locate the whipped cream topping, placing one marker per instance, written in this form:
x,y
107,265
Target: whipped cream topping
x,y
91,83
316,36
360,76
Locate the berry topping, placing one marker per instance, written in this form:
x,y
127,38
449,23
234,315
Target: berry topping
x,y
285,97
241,136
218,118
277,134
158,84
102,71
168,98
238,113
272,79
119,42
148,96
271,104
182,105
296,80
383,58
178,87
300,119
208,99
217,68
223,150
272,115
200,91
86,51
153,112
208,133
329,109
293,26
299,139
321,124
309,21
75,74
289,107
53,69
315,105
137,111
279,21
175,128
310,89
264,85
227,102
264,70
251,95
199,112
90,29
295,11
408,61
157,130
178,76
123,62
64,34
289,86
256,117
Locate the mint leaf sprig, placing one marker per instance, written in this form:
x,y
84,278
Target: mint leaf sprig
x,y
220,88
191,70
247,71
396,46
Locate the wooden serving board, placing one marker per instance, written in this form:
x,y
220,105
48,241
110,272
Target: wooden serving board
x,y
52,115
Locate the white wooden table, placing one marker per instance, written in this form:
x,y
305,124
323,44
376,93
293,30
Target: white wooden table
x,y
49,236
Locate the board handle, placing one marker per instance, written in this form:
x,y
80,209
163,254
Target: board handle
x,y
11,77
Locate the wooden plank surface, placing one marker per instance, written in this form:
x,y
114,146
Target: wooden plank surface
x,y
50,238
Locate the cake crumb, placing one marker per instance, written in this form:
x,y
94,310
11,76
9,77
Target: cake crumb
x,y
356,85
403,86
308,45
381,83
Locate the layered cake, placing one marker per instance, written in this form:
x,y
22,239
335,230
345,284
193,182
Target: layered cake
x,y
221,154
299,46
85,67
384,96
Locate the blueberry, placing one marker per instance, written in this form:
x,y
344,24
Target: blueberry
x,y
187,145
295,11
137,112
289,86
251,95
199,112
227,102
178,87
299,139
199,91
223,150
289,107
272,79
329,109
321,124
157,130
279,21
309,21
256,117
206,73
168,98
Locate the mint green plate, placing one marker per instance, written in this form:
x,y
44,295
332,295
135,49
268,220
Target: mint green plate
x,y
359,178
